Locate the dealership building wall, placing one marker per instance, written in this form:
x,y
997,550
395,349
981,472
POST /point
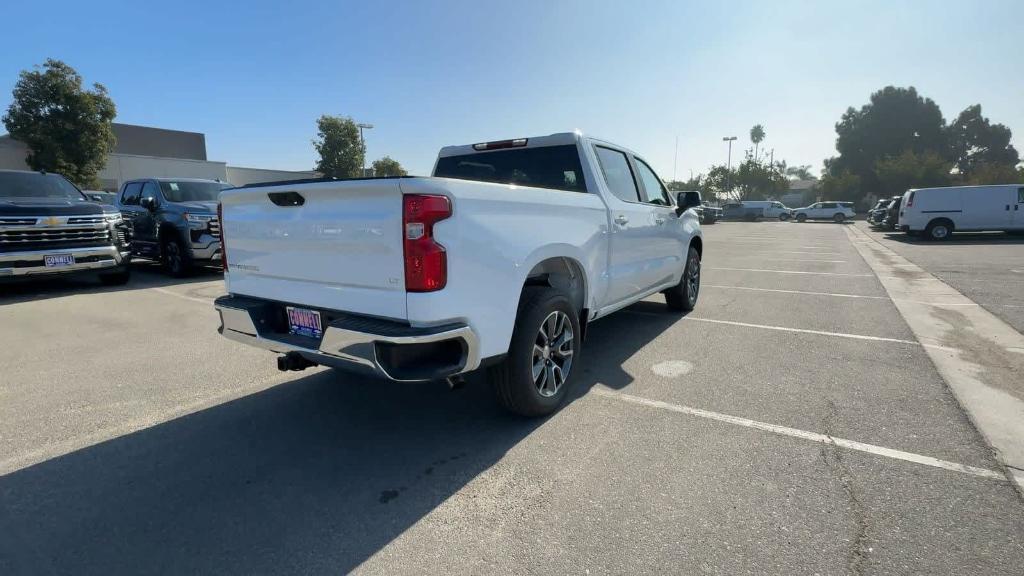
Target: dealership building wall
x,y
143,152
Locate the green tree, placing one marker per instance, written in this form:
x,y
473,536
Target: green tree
x,y
387,166
842,186
341,150
976,142
757,181
983,174
694,183
897,174
799,172
895,119
719,183
757,136
67,129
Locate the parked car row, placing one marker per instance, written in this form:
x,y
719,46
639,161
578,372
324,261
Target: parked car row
x,y
752,210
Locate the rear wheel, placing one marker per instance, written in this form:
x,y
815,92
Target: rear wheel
x,y
801,217
839,217
534,378
683,296
938,230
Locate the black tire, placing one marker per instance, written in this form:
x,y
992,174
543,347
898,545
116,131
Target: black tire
x,y
119,278
801,218
938,230
839,218
683,296
513,381
175,257
783,217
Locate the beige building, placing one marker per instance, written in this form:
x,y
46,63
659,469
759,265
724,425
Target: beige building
x,y
142,152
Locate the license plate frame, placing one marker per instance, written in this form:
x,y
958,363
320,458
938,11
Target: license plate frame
x,y
58,260
304,322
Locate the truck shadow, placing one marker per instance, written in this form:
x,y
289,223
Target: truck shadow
x,y
313,475
144,275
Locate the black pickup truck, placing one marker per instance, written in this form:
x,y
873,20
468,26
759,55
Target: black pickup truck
x,y
48,227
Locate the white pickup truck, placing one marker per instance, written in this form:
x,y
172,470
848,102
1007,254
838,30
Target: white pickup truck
x,y
497,261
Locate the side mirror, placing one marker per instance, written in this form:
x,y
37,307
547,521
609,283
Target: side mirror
x,y
687,200
148,202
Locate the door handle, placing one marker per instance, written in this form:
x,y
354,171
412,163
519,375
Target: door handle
x,y
621,220
659,220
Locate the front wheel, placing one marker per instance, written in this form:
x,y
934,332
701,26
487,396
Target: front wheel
x,y
783,217
801,217
176,259
534,378
683,296
839,218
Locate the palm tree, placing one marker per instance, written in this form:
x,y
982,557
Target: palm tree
x,y
756,136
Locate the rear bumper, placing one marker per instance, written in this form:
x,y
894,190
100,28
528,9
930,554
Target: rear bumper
x,y
383,348
16,264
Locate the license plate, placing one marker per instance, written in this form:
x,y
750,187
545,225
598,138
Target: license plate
x,y
58,260
304,322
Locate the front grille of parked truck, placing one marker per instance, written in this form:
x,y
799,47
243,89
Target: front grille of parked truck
x,y
27,233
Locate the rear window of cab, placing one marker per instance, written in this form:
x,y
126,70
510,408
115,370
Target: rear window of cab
x,y
555,167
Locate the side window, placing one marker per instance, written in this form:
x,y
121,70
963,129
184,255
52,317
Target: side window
x,y
828,205
816,205
130,196
654,191
1020,195
617,173
150,190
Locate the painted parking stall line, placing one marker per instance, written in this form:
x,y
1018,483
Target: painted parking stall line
x,y
786,271
802,292
804,435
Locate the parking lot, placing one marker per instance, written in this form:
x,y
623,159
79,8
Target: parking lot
x,y
793,424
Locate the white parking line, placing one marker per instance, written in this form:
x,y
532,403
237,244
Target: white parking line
x,y
787,271
805,435
759,257
182,296
805,331
808,293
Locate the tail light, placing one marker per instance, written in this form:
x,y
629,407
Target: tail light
x,y
910,199
426,264
223,239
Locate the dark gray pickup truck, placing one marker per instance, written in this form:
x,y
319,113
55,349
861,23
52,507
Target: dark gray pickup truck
x,y
49,228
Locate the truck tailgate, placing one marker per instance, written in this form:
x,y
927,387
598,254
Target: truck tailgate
x,y
328,244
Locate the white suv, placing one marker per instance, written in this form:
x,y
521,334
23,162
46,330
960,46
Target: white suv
x,y
836,211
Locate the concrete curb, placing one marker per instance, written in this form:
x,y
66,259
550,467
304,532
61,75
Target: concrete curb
x,y
980,357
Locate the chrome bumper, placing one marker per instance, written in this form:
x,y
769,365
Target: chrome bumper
x,y
351,344
206,248
100,257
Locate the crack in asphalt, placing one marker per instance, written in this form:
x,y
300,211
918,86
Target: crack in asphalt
x,y
858,553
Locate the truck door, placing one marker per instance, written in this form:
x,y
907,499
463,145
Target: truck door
x,y
145,224
670,250
632,266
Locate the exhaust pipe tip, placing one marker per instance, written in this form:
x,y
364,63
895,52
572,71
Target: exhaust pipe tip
x,y
293,361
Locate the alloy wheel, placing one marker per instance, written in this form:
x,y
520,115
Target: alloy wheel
x,y
553,353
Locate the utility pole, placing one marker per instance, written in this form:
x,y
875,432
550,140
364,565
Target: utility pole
x,y
675,159
772,161
728,166
362,142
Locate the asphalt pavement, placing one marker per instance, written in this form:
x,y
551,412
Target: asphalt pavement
x,y
791,424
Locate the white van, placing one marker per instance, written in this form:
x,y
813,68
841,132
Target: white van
x,y
939,211
769,208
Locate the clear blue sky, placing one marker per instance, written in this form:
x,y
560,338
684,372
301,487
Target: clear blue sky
x,y
254,76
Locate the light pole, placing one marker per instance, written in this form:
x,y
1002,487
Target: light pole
x,y
362,142
728,166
